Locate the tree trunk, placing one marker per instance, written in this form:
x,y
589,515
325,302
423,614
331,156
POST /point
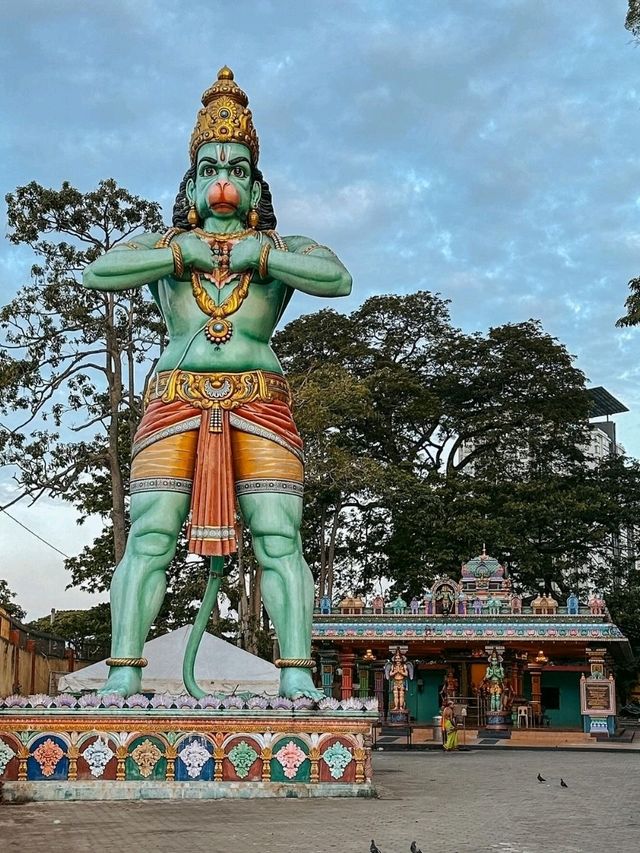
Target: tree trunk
x,y
322,579
243,601
254,609
134,413
114,374
332,550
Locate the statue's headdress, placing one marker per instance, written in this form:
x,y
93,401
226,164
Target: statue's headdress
x,y
225,117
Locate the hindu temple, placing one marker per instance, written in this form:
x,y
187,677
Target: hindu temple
x,y
474,641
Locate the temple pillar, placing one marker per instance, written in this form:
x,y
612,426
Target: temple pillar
x,y
378,688
516,669
347,660
464,679
363,679
536,690
327,670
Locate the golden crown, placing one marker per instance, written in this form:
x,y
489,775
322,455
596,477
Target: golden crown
x,y
225,117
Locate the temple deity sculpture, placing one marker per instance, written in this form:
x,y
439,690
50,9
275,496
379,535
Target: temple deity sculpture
x,y
573,604
462,603
450,687
493,682
398,605
428,603
414,606
325,605
377,605
477,606
397,671
446,601
217,437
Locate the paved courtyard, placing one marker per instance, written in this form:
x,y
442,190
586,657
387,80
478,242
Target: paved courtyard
x,y
468,802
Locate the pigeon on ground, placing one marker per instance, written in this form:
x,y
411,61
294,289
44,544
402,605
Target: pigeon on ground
x,y
563,784
414,848
540,779
373,848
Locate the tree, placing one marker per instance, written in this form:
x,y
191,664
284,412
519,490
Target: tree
x,y
73,358
88,631
8,604
632,304
411,427
632,22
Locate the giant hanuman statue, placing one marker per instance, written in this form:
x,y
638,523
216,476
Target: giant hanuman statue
x,y
217,435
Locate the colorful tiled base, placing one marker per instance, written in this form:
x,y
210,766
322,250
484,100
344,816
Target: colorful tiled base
x,y
89,753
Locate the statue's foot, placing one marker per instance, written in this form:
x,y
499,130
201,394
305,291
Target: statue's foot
x,y
123,680
296,682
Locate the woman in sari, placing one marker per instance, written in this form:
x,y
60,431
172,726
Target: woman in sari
x,y
450,729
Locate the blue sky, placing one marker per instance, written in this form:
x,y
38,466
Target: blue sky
x,y
485,150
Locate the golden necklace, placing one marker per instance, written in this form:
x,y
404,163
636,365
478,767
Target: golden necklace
x,y
219,330
222,237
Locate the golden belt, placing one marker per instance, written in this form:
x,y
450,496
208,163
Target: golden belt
x,y
217,390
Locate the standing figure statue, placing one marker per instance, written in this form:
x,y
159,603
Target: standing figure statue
x,y
494,681
398,670
217,428
428,603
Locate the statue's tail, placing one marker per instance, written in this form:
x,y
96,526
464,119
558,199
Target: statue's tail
x,y
200,625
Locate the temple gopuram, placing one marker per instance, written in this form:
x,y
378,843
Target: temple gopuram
x,y
549,651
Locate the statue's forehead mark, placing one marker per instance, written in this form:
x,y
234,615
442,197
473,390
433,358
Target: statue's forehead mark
x,y
222,152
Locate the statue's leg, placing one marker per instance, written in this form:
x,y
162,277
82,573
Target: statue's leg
x,y
287,583
139,582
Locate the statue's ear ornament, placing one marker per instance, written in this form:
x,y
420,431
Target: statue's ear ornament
x,y
225,117
192,217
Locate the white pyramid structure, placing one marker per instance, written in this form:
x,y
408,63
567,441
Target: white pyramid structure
x,y
220,667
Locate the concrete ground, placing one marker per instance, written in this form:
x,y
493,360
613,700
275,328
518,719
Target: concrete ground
x,y
460,803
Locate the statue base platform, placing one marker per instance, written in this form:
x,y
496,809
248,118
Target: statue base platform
x,y
497,725
183,753
398,718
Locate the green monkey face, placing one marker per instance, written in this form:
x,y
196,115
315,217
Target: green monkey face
x,y
223,186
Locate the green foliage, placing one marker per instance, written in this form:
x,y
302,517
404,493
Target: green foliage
x,y
423,443
632,304
632,22
72,357
78,626
8,604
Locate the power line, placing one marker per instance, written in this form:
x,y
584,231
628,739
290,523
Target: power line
x,y
33,533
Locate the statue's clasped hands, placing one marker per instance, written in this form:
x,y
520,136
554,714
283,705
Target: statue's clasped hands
x,y
198,255
245,254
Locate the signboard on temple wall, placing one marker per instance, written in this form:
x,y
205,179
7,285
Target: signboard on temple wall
x,y
598,696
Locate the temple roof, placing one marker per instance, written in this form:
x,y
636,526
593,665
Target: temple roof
x,y
505,629
482,566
